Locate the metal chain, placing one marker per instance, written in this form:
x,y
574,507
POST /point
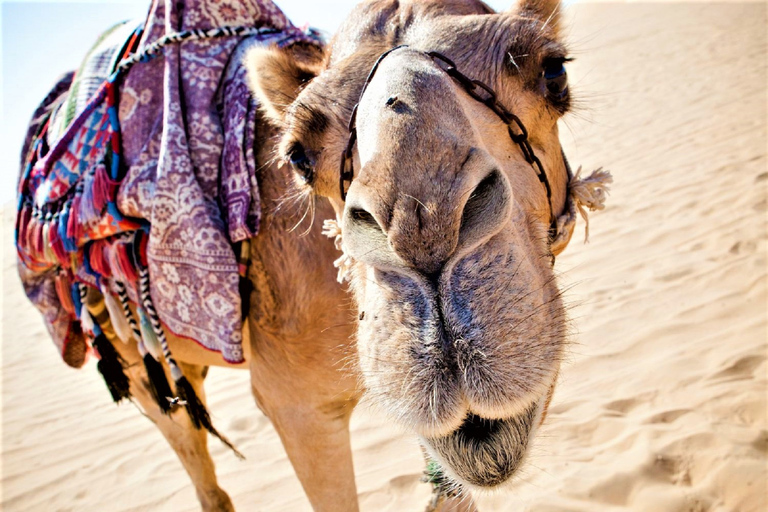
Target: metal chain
x,y
478,91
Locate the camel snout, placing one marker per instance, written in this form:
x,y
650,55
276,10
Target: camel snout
x,y
424,234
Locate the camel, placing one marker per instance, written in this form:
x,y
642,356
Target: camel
x,y
448,222
447,237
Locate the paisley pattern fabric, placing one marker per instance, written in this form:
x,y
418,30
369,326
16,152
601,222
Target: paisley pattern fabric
x,y
188,175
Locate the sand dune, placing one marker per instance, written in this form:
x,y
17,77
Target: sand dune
x,y
662,404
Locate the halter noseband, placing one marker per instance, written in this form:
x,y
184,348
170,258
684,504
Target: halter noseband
x,y
478,91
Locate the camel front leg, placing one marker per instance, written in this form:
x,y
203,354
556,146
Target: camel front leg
x,y
189,443
310,411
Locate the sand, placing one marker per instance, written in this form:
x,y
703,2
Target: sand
x,y
662,402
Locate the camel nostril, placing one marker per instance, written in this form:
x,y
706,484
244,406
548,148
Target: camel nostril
x,y
487,206
480,196
361,215
363,218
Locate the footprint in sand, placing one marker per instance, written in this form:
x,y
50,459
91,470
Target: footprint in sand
x,y
404,481
674,276
669,416
622,406
672,469
743,368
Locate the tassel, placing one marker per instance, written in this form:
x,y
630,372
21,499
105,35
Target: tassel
x,y
198,413
157,381
50,254
25,215
589,192
116,316
121,262
75,295
63,290
74,224
85,319
114,262
88,213
97,260
37,237
48,257
57,247
148,335
102,188
111,367
74,210
41,239
66,240
29,236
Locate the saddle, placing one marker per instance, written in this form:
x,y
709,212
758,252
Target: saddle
x,y
67,219
139,193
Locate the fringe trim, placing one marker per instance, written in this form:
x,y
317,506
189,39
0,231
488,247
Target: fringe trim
x,y
331,229
589,193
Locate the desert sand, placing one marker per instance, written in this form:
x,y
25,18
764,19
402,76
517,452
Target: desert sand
x,y
662,401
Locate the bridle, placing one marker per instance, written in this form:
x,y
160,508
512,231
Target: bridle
x,y
478,91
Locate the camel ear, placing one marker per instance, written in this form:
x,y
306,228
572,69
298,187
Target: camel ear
x,y
277,75
548,11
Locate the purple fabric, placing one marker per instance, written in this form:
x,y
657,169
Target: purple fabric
x,y
194,177
187,122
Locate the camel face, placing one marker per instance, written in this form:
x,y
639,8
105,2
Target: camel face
x,y
445,223
462,323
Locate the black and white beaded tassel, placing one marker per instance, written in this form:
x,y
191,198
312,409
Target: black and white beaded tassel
x,y
110,363
157,381
186,395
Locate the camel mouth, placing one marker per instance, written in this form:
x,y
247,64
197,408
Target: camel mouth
x,y
486,453
478,429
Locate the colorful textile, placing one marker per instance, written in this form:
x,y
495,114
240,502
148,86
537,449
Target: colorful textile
x,y
166,149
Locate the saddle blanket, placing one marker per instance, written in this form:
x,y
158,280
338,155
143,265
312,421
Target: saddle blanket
x,y
151,166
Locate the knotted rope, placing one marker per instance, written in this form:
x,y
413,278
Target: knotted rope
x,y
589,193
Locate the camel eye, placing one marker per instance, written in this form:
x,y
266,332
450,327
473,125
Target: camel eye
x,y
301,163
555,77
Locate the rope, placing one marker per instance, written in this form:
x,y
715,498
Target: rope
x,y
589,193
154,319
150,51
124,302
331,229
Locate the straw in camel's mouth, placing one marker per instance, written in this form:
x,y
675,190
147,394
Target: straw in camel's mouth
x,y
484,452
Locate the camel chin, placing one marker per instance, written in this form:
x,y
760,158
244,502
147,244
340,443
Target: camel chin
x,y
485,454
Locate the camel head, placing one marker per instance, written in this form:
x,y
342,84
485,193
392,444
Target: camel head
x,y
445,225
